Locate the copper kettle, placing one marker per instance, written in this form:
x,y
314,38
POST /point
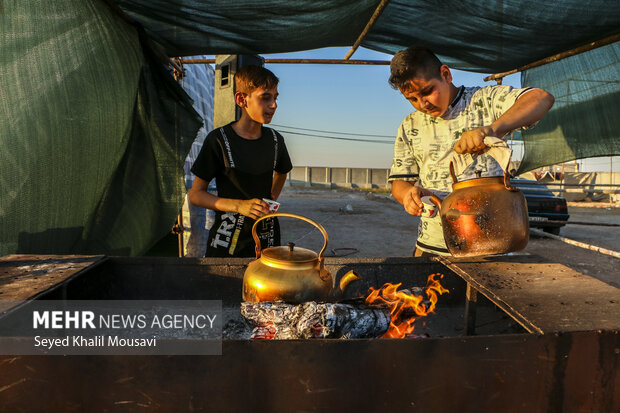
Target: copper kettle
x,y
287,273
483,216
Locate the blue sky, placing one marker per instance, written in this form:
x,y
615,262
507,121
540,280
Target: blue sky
x,y
354,99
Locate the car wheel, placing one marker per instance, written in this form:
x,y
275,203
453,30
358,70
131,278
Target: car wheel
x,y
552,230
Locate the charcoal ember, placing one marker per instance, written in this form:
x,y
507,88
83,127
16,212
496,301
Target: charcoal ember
x,y
413,335
270,331
275,320
326,320
236,329
265,331
277,312
412,291
419,292
272,320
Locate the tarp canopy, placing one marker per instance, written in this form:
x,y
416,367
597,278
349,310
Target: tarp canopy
x,y
477,35
584,120
94,130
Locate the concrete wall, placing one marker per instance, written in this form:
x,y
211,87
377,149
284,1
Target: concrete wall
x,y
338,177
592,186
377,178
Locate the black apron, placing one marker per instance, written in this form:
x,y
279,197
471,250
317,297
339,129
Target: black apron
x,y
231,233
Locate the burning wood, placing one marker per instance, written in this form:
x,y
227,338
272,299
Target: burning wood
x,y
406,308
386,312
276,320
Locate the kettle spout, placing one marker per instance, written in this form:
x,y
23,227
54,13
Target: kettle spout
x,y
337,294
347,279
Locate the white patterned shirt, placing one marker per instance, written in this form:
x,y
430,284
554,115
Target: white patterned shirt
x,y
423,145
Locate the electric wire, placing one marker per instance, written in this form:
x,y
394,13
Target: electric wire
x,y
337,137
344,251
333,132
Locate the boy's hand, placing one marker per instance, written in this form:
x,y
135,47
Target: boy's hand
x,y
473,140
253,208
412,202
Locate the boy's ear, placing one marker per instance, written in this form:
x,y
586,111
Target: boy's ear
x,y
445,73
240,99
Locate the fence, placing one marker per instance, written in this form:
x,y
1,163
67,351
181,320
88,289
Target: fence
x,y
365,178
583,186
574,186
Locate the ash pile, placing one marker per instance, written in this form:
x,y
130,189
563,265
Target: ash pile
x,y
280,321
355,318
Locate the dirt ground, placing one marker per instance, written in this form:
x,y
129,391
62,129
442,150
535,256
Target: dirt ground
x,y
368,224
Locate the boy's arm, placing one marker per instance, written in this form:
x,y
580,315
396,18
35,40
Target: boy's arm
x,y
277,184
200,196
528,109
406,193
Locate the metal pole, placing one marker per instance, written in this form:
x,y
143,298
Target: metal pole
x,y
577,185
559,56
301,61
178,68
181,230
599,224
562,175
471,301
576,243
369,25
178,75
611,176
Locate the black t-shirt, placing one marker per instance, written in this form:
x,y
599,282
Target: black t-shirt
x,y
249,156
243,169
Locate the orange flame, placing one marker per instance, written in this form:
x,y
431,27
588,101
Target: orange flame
x,y
400,302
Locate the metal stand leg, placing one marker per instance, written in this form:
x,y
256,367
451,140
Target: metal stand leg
x,y
178,229
471,300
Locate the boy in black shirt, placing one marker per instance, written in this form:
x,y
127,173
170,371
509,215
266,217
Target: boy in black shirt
x,y
249,162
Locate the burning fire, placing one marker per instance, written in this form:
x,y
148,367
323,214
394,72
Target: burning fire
x,y
403,304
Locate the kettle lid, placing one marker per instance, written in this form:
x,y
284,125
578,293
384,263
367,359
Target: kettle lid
x,y
290,253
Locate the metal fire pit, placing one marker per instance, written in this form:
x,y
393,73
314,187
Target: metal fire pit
x,y
521,359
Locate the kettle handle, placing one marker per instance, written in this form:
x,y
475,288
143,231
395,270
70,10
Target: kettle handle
x,y
286,214
507,183
506,180
452,173
435,200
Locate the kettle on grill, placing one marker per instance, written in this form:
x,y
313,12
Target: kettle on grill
x,y
288,273
483,216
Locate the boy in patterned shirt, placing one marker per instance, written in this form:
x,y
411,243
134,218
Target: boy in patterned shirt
x,y
447,118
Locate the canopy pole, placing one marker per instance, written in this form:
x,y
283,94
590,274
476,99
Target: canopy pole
x,y
369,25
177,66
556,57
299,61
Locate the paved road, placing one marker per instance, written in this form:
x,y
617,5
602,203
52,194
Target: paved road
x,y
374,225
606,237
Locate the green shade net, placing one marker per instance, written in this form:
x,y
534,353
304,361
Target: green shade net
x,y
476,35
93,132
584,121
198,27
493,35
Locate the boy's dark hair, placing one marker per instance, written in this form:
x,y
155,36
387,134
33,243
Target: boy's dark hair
x,y
416,61
251,77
